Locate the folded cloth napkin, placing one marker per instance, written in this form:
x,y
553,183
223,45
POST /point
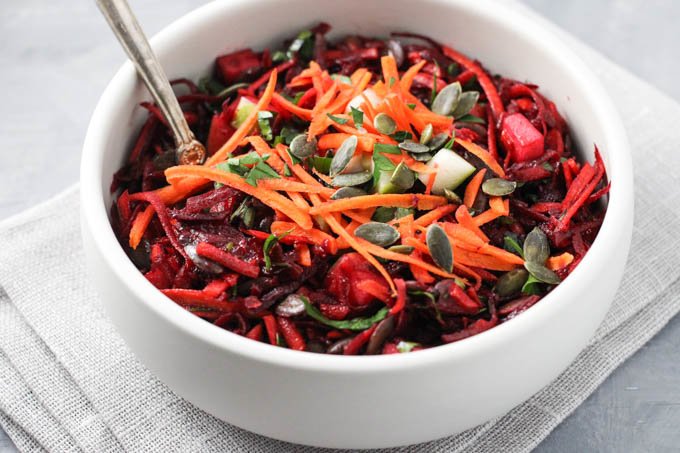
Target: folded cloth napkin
x,y
68,382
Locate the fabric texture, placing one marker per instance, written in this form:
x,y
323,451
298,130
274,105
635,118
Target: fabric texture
x,y
69,383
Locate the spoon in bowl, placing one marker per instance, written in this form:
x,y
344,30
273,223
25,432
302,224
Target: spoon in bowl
x,y
123,22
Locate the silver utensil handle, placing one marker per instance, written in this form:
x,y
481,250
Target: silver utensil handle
x,y
126,28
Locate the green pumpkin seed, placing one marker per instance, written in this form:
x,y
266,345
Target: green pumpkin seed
x,y
511,282
466,102
426,134
293,305
383,214
452,196
347,192
321,164
413,147
542,273
440,247
343,155
402,177
438,141
377,233
352,179
385,124
403,249
497,187
422,157
447,99
536,247
403,212
301,148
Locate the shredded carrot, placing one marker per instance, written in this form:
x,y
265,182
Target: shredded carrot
x,y
395,256
430,182
139,226
435,214
313,235
292,186
419,201
374,288
472,188
320,119
486,217
334,140
421,275
262,148
303,255
390,72
267,196
498,205
407,77
285,104
483,155
400,303
558,262
469,258
464,218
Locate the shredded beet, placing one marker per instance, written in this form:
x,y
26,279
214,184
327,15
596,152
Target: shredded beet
x,y
254,243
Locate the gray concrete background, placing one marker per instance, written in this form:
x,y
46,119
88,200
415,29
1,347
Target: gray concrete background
x,y
56,58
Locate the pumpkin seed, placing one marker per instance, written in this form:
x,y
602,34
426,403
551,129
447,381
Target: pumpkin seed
x,y
343,155
465,103
339,346
347,192
422,157
293,305
202,263
315,346
440,247
511,282
413,147
536,247
426,134
382,331
403,249
377,233
352,179
452,196
385,124
383,214
497,187
396,50
447,99
438,141
542,273
301,148
403,212
402,177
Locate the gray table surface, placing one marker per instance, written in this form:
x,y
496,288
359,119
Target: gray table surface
x,y
56,58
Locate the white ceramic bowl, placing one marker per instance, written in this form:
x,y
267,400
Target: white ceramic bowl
x,y
355,402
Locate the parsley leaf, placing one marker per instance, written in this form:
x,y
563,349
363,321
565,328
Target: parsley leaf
x,y
357,117
350,324
337,119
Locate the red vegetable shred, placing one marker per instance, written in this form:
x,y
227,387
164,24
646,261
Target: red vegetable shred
x,y
360,196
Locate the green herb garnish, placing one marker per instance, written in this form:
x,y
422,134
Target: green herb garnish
x,y
512,245
337,119
357,117
263,123
349,324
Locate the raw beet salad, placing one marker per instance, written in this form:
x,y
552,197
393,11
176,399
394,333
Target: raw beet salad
x,y
359,196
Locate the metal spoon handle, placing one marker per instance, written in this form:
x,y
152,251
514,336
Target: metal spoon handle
x,y
122,21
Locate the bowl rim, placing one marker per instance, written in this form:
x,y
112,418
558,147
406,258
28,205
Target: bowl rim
x,y
619,168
